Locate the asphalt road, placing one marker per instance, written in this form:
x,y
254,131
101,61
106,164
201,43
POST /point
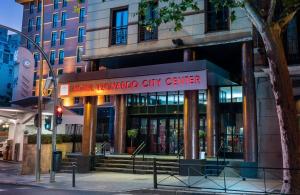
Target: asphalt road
x,y
7,189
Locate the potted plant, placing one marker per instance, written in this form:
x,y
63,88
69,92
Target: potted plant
x,y
202,136
132,134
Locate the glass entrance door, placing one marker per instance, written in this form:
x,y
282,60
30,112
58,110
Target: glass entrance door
x,y
173,136
153,135
162,135
232,134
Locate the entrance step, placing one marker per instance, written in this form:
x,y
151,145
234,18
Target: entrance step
x,y
66,164
141,166
214,167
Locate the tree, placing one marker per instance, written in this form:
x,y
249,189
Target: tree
x,y
271,28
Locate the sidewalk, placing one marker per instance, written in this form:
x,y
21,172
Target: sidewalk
x,y
133,183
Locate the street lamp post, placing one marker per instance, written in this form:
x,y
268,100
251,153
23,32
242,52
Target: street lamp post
x,y
55,101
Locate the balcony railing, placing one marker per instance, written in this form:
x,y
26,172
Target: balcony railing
x,y
146,34
293,51
119,35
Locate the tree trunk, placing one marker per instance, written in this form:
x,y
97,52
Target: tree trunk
x,y
285,106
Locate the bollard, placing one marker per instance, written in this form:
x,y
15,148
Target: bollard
x,y
154,174
73,174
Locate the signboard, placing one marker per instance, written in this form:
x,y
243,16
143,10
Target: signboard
x,y
195,80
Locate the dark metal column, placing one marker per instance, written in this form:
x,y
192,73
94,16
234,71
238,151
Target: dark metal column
x,y
120,124
249,105
191,118
89,126
212,114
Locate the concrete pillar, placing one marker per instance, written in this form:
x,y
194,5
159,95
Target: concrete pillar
x,y
89,127
249,105
120,124
191,117
212,114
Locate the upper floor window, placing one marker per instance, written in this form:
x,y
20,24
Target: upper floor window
x,y
55,4
37,39
216,20
38,23
31,7
65,3
61,56
39,7
30,25
60,71
52,57
80,34
146,32
78,69
29,44
81,15
293,40
35,77
63,18
36,59
79,54
119,27
54,20
53,38
62,37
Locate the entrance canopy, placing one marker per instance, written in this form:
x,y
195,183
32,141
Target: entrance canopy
x,y
193,75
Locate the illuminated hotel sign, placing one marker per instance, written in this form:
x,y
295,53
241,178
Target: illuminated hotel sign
x,y
142,84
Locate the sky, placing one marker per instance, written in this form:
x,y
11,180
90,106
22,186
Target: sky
x,y
11,14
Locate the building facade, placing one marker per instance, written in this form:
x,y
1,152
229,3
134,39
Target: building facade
x,y
64,34
8,45
170,86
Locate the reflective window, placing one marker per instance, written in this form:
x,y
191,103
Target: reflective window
x,y
62,37
143,99
119,27
53,39
36,59
79,54
63,18
225,94
38,23
162,98
202,97
54,20
55,4
173,98
30,25
39,7
231,94
81,15
237,94
152,99
181,97
52,57
61,57
65,3
80,34
37,39
31,7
